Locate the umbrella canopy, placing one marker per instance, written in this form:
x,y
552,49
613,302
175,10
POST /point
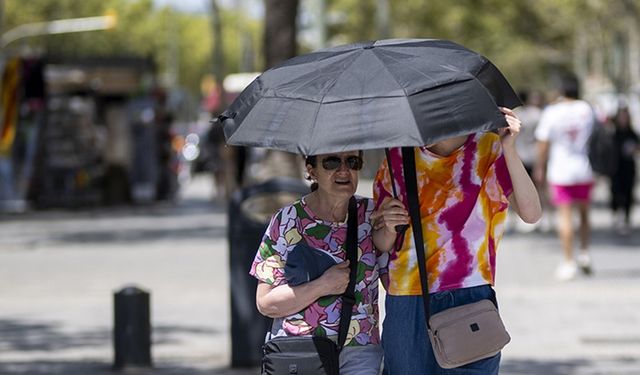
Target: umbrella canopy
x,y
386,93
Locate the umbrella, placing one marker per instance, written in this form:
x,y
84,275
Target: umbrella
x,y
369,95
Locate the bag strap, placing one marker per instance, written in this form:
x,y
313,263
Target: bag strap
x,y
411,184
349,297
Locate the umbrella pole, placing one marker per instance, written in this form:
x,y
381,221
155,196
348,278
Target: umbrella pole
x,y
400,229
393,183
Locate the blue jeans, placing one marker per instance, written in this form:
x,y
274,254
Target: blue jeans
x,y
361,360
407,349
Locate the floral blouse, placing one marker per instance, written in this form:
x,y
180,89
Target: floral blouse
x,y
295,223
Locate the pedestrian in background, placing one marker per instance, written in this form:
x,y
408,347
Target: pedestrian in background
x,y
529,114
624,178
465,185
563,133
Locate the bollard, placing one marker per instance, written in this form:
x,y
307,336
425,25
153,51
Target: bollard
x,y
132,328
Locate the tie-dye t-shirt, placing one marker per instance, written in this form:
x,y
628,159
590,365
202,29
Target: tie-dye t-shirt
x,y
463,204
295,223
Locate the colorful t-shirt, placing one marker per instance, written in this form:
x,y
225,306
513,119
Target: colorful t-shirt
x,y
295,223
463,203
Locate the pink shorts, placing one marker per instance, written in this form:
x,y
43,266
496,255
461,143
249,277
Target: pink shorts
x,y
566,194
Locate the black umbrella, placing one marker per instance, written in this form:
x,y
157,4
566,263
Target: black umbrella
x,y
387,93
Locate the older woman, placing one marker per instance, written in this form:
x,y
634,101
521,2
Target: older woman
x,y
319,222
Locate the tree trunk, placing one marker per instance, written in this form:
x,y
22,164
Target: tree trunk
x,y
217,69
280,45
280,31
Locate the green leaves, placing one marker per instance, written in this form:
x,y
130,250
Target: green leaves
x,y
527,40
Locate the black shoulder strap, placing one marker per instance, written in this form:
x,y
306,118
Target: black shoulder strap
x,y
411,184
349,296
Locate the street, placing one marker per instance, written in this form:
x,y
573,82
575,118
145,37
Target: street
x,y
59,270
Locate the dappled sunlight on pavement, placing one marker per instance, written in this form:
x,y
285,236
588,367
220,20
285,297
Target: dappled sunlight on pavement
x,y
59,270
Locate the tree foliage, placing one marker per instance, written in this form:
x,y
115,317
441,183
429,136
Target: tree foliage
x,y
173,39
527,40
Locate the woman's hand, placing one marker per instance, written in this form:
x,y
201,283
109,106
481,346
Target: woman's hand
x,y
384,221
390,214
335,279
284,300
508,135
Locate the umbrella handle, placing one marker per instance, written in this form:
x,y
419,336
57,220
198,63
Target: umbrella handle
x,y
401,228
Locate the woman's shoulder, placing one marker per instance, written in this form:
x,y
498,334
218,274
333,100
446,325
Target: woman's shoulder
x,y
489,136
291,209
491,139
290,206
564,107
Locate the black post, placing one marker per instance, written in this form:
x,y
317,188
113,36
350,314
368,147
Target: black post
x,y
132,328
249,212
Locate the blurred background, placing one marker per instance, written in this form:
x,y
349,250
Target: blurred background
x,y
88,86
112,175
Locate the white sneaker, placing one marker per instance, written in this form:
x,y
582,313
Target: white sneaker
x,y
584,261
566,271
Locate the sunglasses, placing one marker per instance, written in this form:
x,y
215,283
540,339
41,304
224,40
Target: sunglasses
x,y
331,163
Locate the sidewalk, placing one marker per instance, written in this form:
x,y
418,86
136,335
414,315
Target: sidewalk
x,y
58,272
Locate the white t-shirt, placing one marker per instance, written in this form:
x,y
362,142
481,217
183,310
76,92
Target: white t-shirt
x,y
567,126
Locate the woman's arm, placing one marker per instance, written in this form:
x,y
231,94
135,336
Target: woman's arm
x,y
524,199
284,300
